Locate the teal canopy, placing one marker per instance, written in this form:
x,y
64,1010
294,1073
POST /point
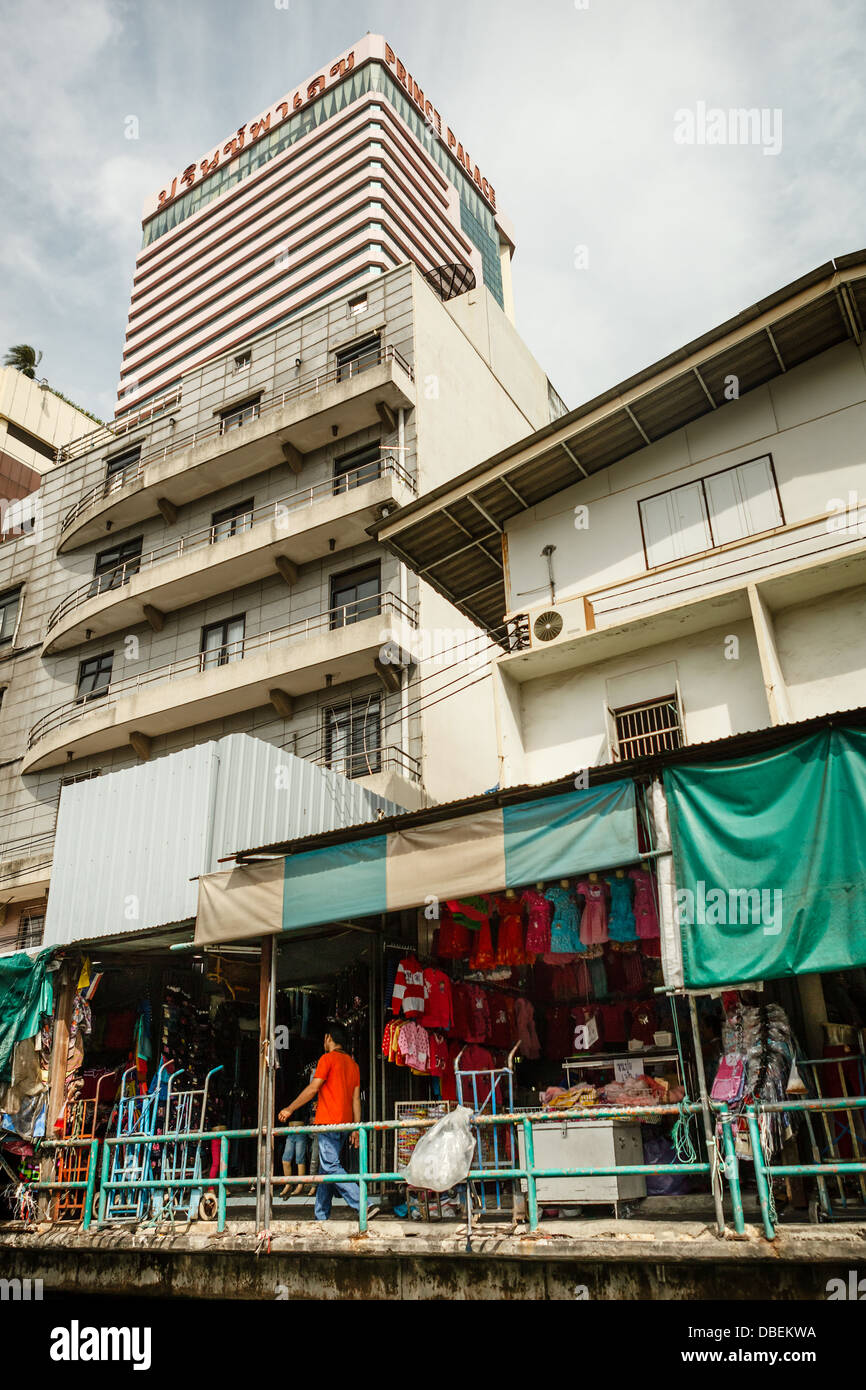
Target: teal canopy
x,y
24,994
770,860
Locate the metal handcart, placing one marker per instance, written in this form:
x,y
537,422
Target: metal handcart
x,y
185,1112
79,1121
830,1132
494,1143
132,1164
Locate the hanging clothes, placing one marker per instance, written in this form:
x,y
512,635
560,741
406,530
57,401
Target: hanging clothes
x,y
408,994
621,924
482,956
454,939
645,914
593,922
539,911
509,944
438,1004
524,1016
565,922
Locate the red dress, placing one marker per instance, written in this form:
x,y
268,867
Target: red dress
x,y
482,956
510,949
539,912
454,942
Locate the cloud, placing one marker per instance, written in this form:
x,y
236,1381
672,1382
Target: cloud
x,y
569,112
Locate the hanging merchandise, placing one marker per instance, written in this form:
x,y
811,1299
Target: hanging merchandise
x,y
593,922
454,939
539,911
645,912
621,924
758,1052
438,1003
408,995
565,922
482,956
524,1015
510,948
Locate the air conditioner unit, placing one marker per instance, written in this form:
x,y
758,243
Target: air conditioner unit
x,y
556,622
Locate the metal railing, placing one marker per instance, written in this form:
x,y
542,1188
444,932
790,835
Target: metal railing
x,y
28,844
766,1171
270,401
370,761
105,434
329,619
528,1172
277,513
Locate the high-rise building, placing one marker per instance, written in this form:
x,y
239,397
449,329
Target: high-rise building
x,y
203,566
351,173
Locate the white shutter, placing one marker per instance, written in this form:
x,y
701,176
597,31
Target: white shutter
x,y
675,524
743,501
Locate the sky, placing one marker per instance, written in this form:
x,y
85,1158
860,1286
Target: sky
x,y
634,235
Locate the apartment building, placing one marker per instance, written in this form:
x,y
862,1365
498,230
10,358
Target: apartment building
x,y
350,174
34,423
207,570
684,557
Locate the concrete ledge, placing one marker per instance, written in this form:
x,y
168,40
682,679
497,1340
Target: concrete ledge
x,y
595,1259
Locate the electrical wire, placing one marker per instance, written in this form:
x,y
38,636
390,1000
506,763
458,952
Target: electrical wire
x,y
416,704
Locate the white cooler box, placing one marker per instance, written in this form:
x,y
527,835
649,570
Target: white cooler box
x,y
586,1144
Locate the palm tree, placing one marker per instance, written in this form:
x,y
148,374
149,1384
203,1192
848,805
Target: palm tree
x,y
23,358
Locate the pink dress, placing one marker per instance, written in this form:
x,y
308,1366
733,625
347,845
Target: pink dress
x,y
645,914
593,923
538,915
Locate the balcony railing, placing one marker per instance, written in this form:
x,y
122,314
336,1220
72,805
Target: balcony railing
x,y
277,512
104,434
26,847
188,439
329,619
369,761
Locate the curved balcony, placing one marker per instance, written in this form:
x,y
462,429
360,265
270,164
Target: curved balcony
x,y
341,643
195,463
299,528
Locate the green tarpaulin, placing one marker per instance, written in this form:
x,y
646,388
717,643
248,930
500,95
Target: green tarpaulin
x,y
22,980
770,860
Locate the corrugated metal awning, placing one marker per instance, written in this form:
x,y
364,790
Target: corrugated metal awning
x,y
453,535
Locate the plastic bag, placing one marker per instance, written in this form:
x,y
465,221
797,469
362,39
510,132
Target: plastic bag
x,y
443,1155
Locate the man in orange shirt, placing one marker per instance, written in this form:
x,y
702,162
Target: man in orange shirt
x,y
337,1087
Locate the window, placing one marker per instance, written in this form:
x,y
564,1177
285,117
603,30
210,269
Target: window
x,y
361,466
9,605
229,521
358,356
240,414
352,738
119,463
357,305
222,643
726,506
355,595
243,360
38,446
654,727
116,566
94,677
31,929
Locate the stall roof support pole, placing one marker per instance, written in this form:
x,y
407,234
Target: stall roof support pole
x,y
712,1148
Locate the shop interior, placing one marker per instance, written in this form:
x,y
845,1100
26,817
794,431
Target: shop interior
x,y
547,997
